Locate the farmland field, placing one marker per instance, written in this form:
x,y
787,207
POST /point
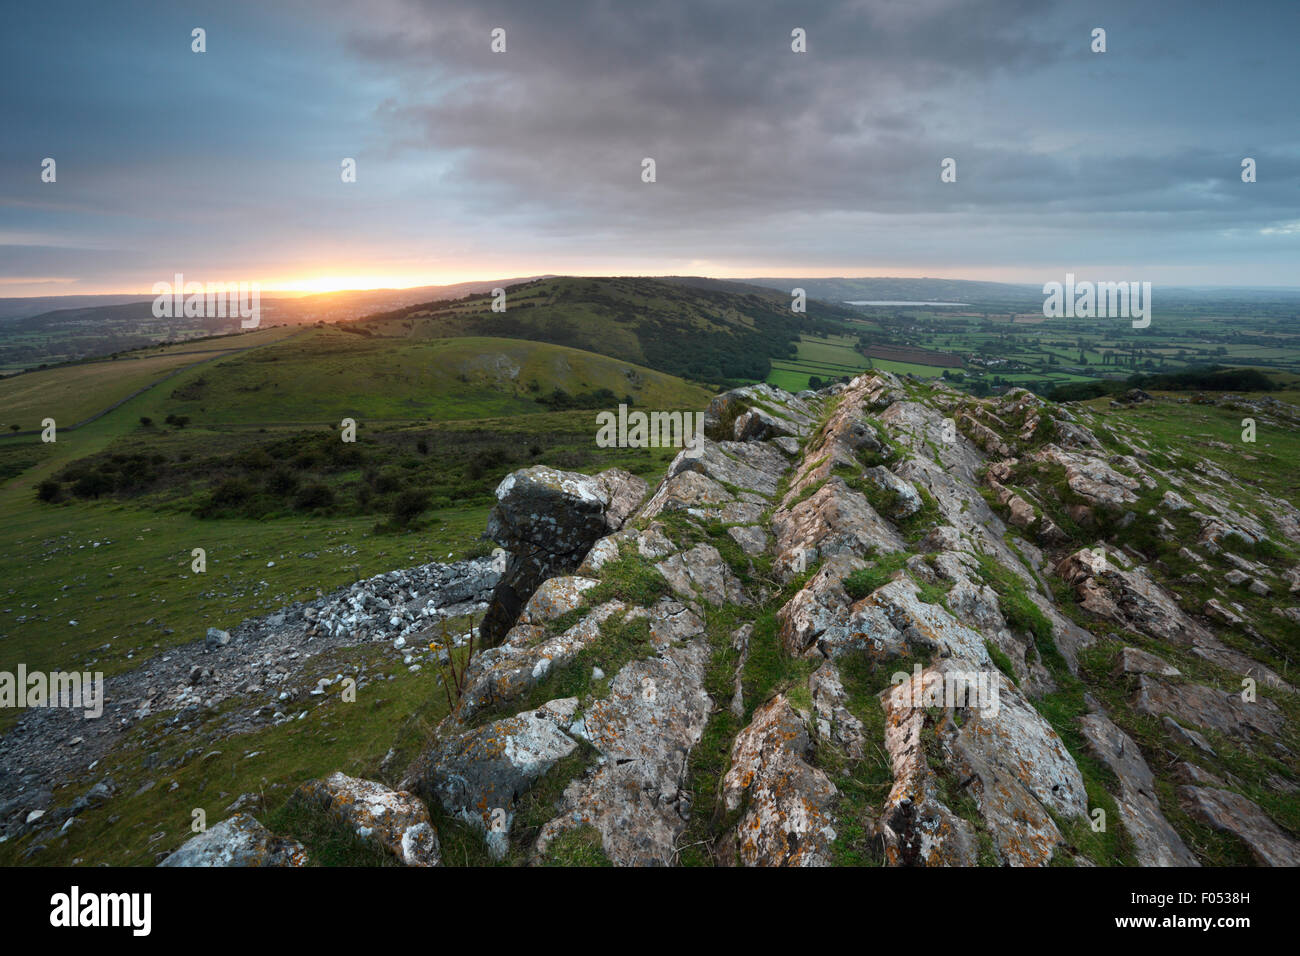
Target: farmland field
x,y
72,393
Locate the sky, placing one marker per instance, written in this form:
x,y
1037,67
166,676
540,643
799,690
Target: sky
x,y
473,164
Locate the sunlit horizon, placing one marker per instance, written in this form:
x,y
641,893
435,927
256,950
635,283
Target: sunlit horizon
x,y
298,286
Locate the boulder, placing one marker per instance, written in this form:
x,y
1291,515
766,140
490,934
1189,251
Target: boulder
x,y
478,775
787,819
1233,813
548,520
238,841
393,819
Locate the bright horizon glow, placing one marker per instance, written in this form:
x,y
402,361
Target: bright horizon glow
x,y
363,282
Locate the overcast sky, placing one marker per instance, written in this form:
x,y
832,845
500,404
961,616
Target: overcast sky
x,y
225,165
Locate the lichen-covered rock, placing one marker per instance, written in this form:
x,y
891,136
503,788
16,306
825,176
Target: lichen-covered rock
x,y
555,597
928,626
1132,660
687,490
394,819
636,796
548,520
1156,843
835,519
1092,477
787,803
1020,768
822,620
906,500
917,828
1233,813
1208,708
754,467
499,675
701,573
238,841
478,775
834,719
751,538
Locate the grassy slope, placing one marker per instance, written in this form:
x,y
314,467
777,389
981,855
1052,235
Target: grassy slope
x,y
134,594
143,574
699,332
71,393
325,375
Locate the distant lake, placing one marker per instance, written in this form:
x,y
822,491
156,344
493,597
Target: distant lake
x,y
851,302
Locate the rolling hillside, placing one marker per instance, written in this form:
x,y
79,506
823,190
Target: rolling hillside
x,y
700,332
327,373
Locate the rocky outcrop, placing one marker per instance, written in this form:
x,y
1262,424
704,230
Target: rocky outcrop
x,y
394,820
787,819
548,520
881,580
1157,843
644,732
1233,813
238,841
478,775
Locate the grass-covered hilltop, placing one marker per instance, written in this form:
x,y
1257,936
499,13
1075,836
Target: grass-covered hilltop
x,y
476,636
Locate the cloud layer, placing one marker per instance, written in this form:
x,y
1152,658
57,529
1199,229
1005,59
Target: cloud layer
x,y
472,163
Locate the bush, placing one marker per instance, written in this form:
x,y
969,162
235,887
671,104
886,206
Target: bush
x,y
232,493
282,482
387,481
408,506
92,484
313,496
49,490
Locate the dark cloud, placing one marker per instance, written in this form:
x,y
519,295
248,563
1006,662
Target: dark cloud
x,y
763,156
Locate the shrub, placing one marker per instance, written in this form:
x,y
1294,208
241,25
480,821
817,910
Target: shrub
x,y
232,493
49,490
282,482
92,484
313,496
388,481
408,505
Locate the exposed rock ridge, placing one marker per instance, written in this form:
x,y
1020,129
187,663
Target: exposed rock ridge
x,y
881,622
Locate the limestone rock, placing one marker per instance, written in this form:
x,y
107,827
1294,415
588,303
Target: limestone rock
x,y
1233,813
238,841
394,819
478,775
787,819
